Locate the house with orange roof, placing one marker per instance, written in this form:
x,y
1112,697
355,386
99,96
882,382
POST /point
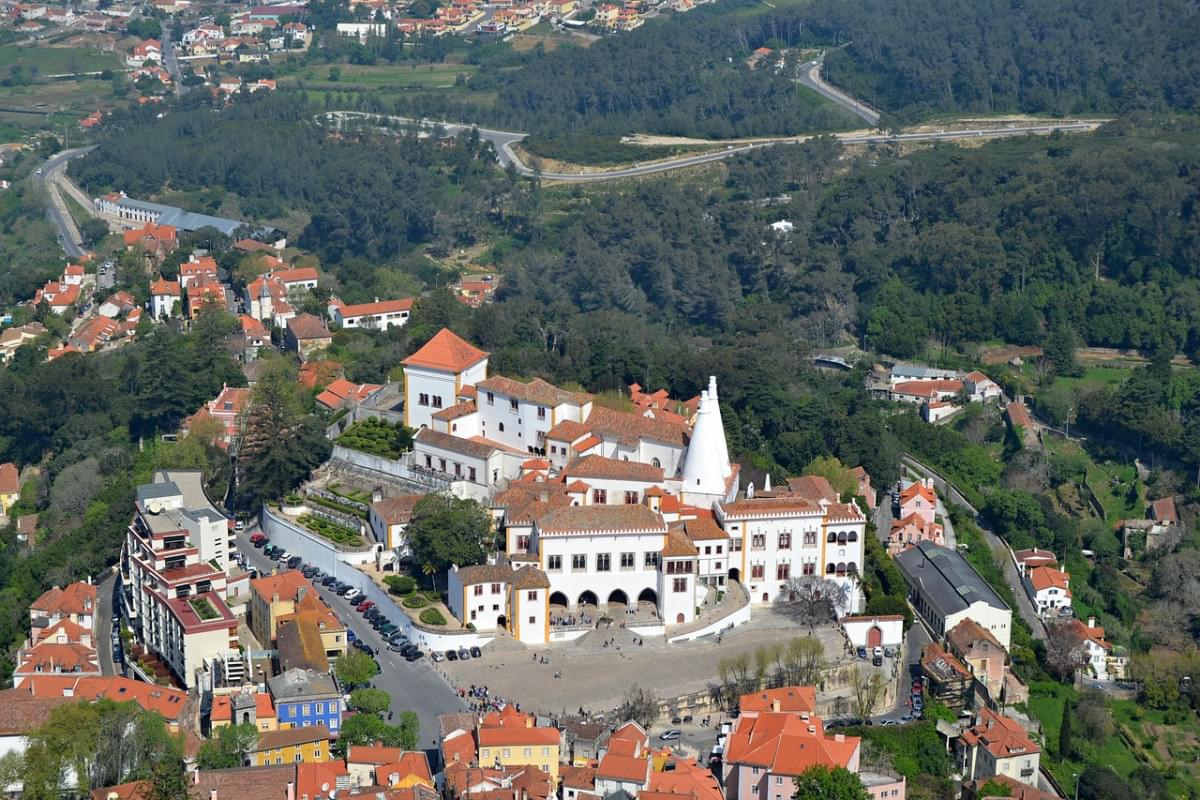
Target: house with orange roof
x,y
981,652
226,409
377,765
166,299
247,707
147,50
170,704
94,334
911,529
435,373
389,517
997,745
153,241
10,486
947,680
59,296
276,598
784,700
1050,590
510,738
1098,658
765,753
341,393
75,602
379,315
475,290
918,498
206,293
306,334
65,648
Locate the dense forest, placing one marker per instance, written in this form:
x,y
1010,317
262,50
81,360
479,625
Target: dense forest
x,y
375,198
687,75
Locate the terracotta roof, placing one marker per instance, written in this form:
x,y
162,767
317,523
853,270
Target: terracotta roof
x,y
797,699
917,488
405,765
242,782
812,487
397,510
530,578
703,529
769,507
686,779
316,780
612,469
1043,578
1093,633
375,753
299,643
535,463
484,573
1163,510
286,584
629,428
446,351
927,388
137,790
169,703
308,326
535,391
377,307
568,430
787,745
295,275
941,665
577,777
598,518
1015,789
163,286
10,479
678,545
963,636
516,736
21,712
1018,414
1034,554
289,737
456,444
456,411
74,598
623,768
1001,735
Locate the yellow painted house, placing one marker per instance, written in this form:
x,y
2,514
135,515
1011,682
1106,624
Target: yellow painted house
x,y
291,746
509,738
10,486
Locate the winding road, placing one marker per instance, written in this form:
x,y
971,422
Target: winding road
x,y
47,177
502,142
809,75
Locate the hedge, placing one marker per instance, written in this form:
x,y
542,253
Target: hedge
x,y
400,584
431,616
415,601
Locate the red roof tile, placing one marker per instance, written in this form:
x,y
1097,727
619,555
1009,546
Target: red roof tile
x,y
446,351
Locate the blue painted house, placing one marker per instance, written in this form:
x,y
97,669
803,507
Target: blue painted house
x,y
306,697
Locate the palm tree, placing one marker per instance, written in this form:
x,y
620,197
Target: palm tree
x,y
431,573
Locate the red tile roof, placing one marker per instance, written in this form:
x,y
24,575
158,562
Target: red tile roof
x,y
785,744
612,469
1001,735
74,598
10,482
169,703
377,307
446,351
590,519
812,487
1048,577
308,326
798,699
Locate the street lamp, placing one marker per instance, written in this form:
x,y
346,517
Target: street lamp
x,y
1075,777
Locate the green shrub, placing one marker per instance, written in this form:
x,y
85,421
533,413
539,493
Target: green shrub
x,y
415,601
400,584
431,616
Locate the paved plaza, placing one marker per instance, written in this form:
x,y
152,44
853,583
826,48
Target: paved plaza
x,y
596,677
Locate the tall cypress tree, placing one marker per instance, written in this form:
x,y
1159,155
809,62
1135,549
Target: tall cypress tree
x,y
1064,733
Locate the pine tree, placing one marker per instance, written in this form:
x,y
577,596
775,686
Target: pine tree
x,y
1064,733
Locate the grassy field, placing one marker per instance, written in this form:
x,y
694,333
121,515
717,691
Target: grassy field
x,y
1115,484
56,60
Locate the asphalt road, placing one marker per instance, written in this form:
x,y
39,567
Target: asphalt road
x,y
502,142
413,686
809,75
56,208
104,615
170,59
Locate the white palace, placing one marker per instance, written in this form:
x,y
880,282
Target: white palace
x,y
609,512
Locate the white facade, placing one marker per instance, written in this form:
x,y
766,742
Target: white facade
x,y
996,620
775,539
428,390
480,603
598,568
163,305
530,621
874,631
677,589
512,413
464,460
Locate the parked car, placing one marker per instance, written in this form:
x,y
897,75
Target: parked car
x,y
451,655
364,606
364,647
437,656
862,652
476,652
308,572
294,562
342,588
676,720
670,735
388,629
412,655
258,538
877,661
464,654
687,718
890,652
918,687
395,648
352,594
240,525
877,652
328,580
351,636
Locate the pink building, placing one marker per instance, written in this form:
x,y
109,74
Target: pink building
x,y
920,499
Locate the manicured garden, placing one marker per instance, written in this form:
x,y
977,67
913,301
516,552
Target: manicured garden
x,y
328,530
204,609
378,438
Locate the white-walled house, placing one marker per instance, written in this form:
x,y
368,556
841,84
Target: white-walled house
x,y
379,315
1050,590
435,374
520,414
874,631
945,590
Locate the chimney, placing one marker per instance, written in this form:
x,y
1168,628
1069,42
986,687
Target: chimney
x,y
775,705
212,794
291,790
376,495
839,737
301,591
1091,622
196,777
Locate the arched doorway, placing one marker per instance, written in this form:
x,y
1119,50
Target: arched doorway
x,y
735,575
618,598
648,596
502,622
245,717
874,636
588,598
559,599
679,619
766,597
